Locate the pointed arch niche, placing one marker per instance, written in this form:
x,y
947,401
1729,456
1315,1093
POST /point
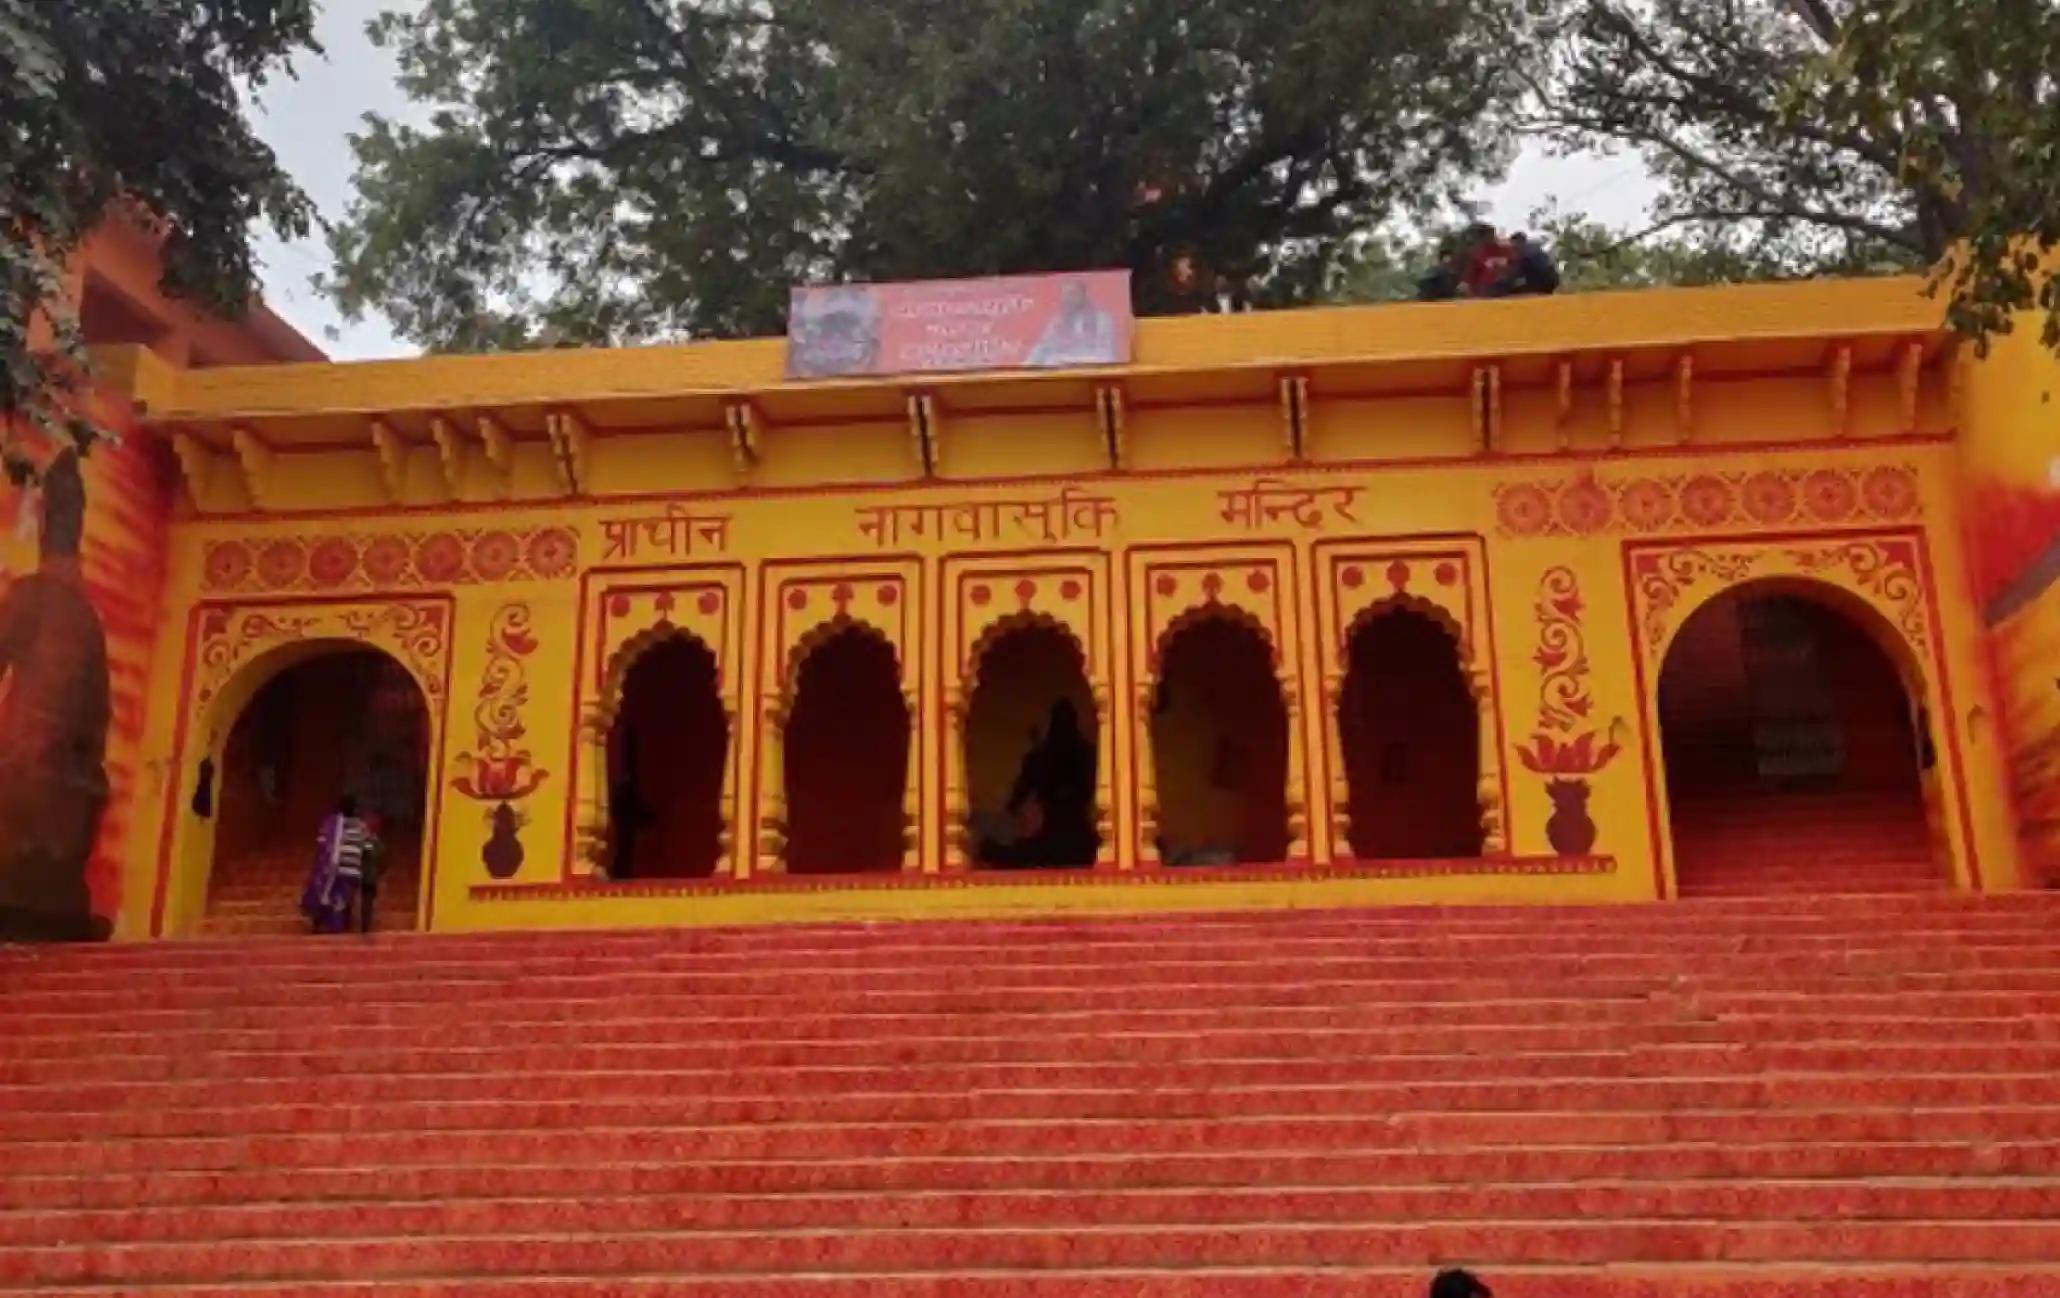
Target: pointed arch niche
x,y
670,795
1794,645
1220,760
1022,637
839,771
1412,728
659,703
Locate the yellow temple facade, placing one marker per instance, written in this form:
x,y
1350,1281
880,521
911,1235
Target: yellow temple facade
x,y
1542,600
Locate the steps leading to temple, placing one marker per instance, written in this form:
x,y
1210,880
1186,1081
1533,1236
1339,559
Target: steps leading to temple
x,y
257,894
1737,1096
1804,843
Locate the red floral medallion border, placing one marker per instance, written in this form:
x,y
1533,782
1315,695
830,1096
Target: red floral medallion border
x,y
389,560
1588,505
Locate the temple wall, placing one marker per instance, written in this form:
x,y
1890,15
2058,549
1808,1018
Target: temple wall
x,y
2010,454
1564,558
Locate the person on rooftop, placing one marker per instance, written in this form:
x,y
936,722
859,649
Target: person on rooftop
x,y
1443,281
1484,259
1530,272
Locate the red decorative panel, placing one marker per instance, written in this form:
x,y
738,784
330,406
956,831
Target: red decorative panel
x,y
1888,571
624,612
1707,500
417,632
982,599
1443,578
389,560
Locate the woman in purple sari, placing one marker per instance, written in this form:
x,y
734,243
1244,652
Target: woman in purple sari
x,y
339,869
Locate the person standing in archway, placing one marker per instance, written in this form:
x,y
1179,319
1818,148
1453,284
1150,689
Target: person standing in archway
x,y
338,873
1055,789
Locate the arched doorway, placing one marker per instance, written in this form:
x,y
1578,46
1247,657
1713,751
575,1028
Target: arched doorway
x,y
1030,753
1220,747
351,721
847,757
1794,749
667,750
1411,741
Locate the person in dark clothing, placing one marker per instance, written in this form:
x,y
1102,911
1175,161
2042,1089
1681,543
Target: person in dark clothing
x,y
1530,271
1054,790
369,868
1443,281
627,812
1457,1283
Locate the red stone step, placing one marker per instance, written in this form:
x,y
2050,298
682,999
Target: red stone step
x,y
1826,1162
1817,1060
957,1250
1627,1097
1064,1209
1862,1280
995,1138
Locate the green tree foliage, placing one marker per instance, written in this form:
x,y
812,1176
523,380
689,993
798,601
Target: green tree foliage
x,y
602,170
129,103
1798,136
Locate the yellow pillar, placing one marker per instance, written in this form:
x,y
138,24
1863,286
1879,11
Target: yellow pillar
x,y
1340,782
912,789
592,831
772,768
1147,778
957,853
1494,820
1104,772
729,860
1297,781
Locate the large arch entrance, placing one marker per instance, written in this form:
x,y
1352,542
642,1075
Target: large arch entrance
x,y
1030,750
351,721
1411,741
847,757
667,750
1794,747
1220,747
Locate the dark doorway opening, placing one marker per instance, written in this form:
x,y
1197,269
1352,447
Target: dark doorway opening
x,y
352,721
1220,747
847,755
667,752
1795,758
1030,753
1411,740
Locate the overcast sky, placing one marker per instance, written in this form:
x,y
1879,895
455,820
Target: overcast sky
x,y
307,121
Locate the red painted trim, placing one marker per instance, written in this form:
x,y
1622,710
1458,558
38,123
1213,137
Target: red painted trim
x,y
1950,722
955,572
1498,462
1285,635
1329,553
432,834
1170,876
868,569
1648,728
178,774
593,609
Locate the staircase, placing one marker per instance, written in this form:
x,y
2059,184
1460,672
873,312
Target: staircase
x,y
1753,843
257,893
1740,1097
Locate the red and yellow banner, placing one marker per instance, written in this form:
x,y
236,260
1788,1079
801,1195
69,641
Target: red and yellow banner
x,y
1022,322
